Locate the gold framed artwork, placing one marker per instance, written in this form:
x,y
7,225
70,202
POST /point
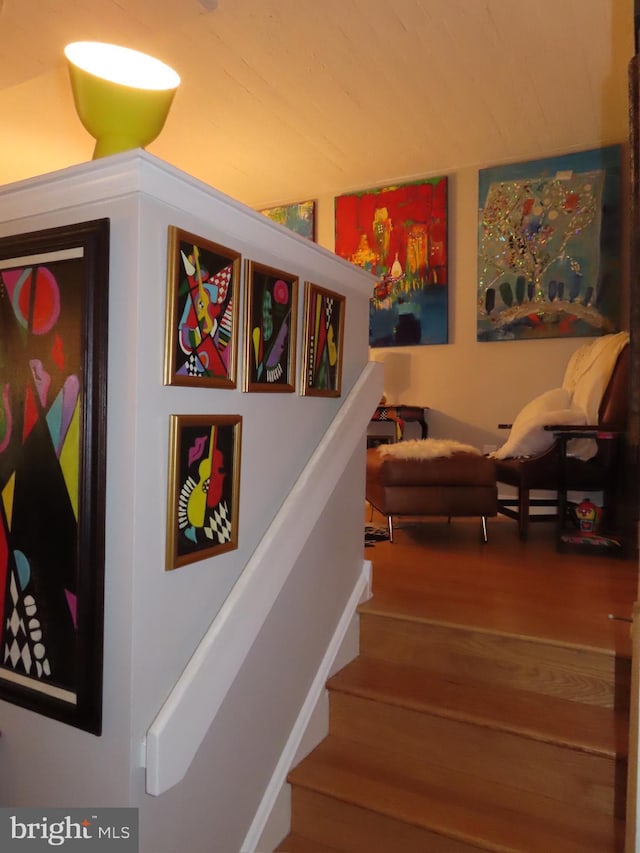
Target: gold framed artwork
x,y
324,315
201,335
271,304
204,485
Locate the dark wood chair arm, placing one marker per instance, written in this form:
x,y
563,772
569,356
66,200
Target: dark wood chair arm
x,y
566,431
583,430
572,427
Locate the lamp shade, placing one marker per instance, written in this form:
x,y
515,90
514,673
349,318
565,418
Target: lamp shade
x,y
122,96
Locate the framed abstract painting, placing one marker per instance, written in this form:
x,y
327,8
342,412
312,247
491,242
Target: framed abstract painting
x,y
54,288
299,217
271,305
549,247
324,318
201,335
399,233
204,483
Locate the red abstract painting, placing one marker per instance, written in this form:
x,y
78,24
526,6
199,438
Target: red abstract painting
x,y
399,233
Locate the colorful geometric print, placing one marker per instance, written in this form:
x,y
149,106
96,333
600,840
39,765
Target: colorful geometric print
x,y
39,476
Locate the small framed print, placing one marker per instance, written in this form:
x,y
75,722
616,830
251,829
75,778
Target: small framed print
x,y
201,335
271,303
204,482
324,313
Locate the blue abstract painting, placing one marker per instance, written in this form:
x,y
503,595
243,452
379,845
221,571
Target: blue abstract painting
x,y
549,247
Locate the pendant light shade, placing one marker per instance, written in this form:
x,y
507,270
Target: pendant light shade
x,y
122,96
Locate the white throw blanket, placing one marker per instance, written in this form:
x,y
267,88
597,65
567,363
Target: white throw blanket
x,y
589,370
586,378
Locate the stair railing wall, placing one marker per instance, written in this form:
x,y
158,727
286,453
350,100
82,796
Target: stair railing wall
x,y
181,724
295,581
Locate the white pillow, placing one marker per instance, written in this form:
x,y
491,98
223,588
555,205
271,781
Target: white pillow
x,y
528,436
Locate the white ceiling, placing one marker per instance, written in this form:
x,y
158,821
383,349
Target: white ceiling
x,y
283,100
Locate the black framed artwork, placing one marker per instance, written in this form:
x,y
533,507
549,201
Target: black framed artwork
x,y
53,395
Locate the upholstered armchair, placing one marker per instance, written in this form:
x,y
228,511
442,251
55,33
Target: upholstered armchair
x,y
592,403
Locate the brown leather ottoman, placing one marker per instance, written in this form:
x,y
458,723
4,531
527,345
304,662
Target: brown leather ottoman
x,y
462,484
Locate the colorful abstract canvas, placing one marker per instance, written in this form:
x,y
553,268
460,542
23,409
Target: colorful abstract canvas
x,y
201,335
549,247
399,233
53,360
271,305
323,338
299,217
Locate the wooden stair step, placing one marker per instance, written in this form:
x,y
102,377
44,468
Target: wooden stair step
x,y
355,830
299,844
554,720
506,601
437,803
570,774
586,675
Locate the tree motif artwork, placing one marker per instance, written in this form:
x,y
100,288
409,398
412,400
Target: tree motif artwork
x,y
548,247
53,307
202,307
204,471
399,233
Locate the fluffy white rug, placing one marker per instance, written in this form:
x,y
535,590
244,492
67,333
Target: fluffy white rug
x,y
426,448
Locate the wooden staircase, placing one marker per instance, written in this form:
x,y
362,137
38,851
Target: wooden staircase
x,y
449,738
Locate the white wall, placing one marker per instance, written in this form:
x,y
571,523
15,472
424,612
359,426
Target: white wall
x,y
155,619
42,761
214,805
470,387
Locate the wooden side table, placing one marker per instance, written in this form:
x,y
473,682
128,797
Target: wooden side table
x,y
604,538
388,423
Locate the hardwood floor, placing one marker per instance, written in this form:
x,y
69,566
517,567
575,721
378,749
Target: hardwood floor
x,y
488,708
444,572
